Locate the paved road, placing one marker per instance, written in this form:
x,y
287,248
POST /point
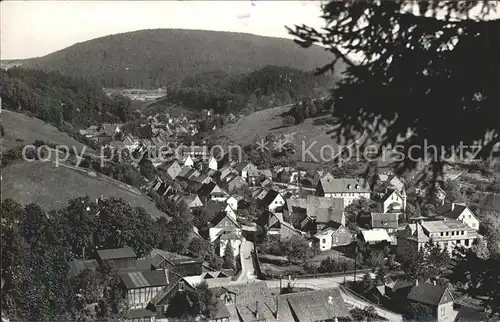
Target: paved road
x,y
247,269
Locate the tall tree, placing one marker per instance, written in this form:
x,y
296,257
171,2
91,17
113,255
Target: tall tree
x,y
413,56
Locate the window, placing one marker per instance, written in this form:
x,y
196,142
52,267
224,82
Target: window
x,y
181,286
447,233
443,311
323,240
442,234
474,225
466,242
469,216
453,233
462,232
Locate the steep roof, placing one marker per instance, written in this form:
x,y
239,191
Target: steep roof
x,y
316,305
144,279
427,293
330,185
269,198
252,300
384,220
116,253
325,209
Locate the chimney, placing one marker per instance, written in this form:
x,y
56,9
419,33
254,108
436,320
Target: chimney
x,y
434,282
416,282
257,309
452,206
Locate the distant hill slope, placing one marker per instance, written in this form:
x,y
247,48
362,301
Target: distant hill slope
x,y
52,187
156,57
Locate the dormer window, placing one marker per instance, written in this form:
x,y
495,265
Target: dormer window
x,y
348,187
357,186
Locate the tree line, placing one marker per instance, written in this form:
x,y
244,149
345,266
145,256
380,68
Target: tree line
x,y
267,87
37,247
60,100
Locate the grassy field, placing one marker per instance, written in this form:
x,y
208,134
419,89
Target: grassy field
x,y
312,135
29,129
51,187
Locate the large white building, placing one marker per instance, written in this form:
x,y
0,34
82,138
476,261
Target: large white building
x,y
347,189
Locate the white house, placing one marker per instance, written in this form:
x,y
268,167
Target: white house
x,y
188,161
331,237
393,201
462,213
273,201
233,202
230,211
347,189
213,164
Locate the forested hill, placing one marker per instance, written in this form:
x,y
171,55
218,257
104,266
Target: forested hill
x,y
59,99
244,93
155,58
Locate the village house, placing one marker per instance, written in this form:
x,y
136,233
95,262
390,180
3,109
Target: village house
x,y
392,201
160,259
374,236
347,189
233,182
243,167
211,191
222,222
387,221
324,211
436,297
273,201
191,200
332,237
446,233
213,164
259,193
233,201
188,161
254,302
122,258
274,224
172,168
460,212
143,286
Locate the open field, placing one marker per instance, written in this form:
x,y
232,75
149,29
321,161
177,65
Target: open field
x,y
29,129
312,135
51,187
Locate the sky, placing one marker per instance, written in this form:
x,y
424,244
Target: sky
x,y
37,28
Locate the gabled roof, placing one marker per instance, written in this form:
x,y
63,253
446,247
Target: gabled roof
x,y
246,165
173,278
325,209
221,215
266,172
375,235
469,314
144,279
313,306
252,300
384,220
427,293
116,253
330,185
388,194
269,198
454,213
